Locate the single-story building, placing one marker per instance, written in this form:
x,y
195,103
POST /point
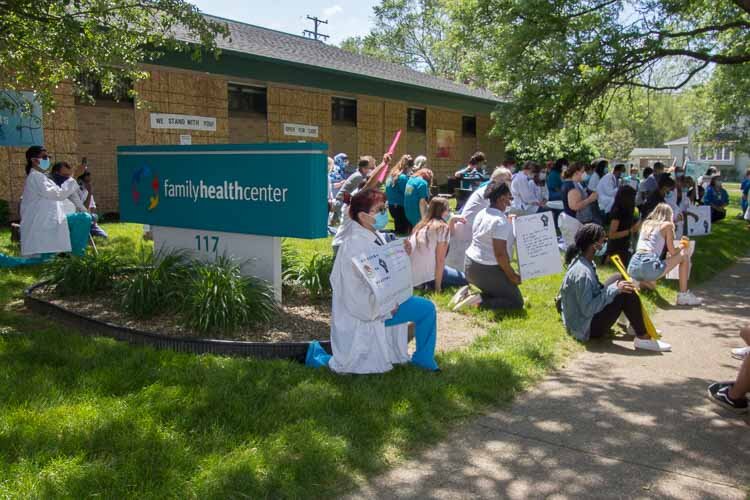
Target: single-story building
x,y
268,86
646,157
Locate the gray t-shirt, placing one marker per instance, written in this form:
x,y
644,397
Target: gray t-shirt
x,y
350,184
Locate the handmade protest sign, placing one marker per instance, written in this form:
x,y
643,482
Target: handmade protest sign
x,y
674,274
699,220
536,244
387,270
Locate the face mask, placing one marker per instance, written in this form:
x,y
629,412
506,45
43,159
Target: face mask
x,y
381,220
602,251
542,177
446,217
586,177
679,175
44,163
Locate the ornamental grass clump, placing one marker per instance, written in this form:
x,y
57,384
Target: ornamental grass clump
x,y
315,275
156,286
218,298
83,275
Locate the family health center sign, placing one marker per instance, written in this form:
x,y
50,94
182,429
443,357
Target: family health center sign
x,y
260,189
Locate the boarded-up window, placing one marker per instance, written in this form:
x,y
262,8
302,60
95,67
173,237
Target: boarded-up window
x,y
344,111
416,120
469,126
247,99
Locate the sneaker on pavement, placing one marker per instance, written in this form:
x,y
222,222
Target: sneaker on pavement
x,y
718,393
460,295
651,345
741,353
471,300
688,299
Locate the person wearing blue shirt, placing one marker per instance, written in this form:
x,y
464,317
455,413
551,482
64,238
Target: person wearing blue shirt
x,y
554,179
745,188
395,187
717,198
417,195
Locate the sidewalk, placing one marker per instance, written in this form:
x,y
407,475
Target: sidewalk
x,y
614,423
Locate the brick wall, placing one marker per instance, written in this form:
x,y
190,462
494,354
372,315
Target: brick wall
x,y
247,128
305,107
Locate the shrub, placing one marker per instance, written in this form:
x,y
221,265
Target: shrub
x,y
219,298
314,275
290,262
83,275
156,285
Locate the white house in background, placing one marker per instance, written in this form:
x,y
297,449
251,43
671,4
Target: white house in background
x,y
646,157
722,155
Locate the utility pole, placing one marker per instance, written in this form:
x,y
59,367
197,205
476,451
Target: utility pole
x,y
314,34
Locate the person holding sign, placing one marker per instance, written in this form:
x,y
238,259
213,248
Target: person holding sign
x,y
717,198
589,308
647,266
488,257
359,333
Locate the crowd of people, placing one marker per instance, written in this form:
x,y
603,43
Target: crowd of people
x,y
599,214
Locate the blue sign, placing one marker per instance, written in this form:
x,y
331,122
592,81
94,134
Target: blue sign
x,y
20,119
264,189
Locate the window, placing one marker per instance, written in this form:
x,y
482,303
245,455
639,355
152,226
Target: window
x,y
416,120
93,87
247,99
344,111
469,126
716,153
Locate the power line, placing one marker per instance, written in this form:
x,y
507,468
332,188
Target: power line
x,y
315,34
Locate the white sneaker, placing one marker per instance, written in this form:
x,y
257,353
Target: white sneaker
x,y
651,345
460,295
471,300
741,353
688,299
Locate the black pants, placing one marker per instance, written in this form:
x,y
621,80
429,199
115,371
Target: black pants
x,y
497,290
717,215
627,303
400,221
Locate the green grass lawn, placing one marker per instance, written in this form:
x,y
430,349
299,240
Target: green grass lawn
x,y
86,417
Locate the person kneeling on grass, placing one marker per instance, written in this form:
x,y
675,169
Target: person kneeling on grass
x,y
733,395
646,266
589,308
361,337
429,242
488,257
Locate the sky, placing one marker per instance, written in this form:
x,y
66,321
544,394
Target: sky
x,y
345,17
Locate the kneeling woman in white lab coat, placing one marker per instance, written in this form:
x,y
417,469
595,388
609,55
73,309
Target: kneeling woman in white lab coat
x,y
44,224
359,334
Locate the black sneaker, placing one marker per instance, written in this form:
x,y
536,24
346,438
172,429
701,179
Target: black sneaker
x,y
719,393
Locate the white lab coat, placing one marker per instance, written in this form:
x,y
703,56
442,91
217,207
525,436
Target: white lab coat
x,y
44,226
360,341
607,189
524,195
461,237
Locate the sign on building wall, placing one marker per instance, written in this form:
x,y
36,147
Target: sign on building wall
x,y
20,119
183,122
261,189
297,130
446,143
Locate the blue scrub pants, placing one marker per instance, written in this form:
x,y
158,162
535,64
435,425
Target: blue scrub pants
x,y
417,310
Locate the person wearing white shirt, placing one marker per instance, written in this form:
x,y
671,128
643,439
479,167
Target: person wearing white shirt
x,y
461,236
600,170
87,197
607,188
525,200
488,257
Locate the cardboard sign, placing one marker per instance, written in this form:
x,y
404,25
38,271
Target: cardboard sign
x,y
536,244
674,274
702,225
387,271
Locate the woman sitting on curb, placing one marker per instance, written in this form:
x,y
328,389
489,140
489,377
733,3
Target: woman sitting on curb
x,y
589,309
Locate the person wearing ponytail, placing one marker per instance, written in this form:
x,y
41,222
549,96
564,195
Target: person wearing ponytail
x,y
589,308
44,224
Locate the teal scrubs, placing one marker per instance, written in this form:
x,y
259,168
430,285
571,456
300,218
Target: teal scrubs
x,y
416,189
395,191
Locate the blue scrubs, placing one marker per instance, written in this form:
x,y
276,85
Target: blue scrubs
x,y
416,189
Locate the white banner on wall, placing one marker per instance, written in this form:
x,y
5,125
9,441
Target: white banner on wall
x,y
183,122
297,130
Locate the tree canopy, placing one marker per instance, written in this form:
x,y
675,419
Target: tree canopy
x,y
47,42
556,61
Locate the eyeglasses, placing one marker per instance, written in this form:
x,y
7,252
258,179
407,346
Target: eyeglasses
x,y
382,210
